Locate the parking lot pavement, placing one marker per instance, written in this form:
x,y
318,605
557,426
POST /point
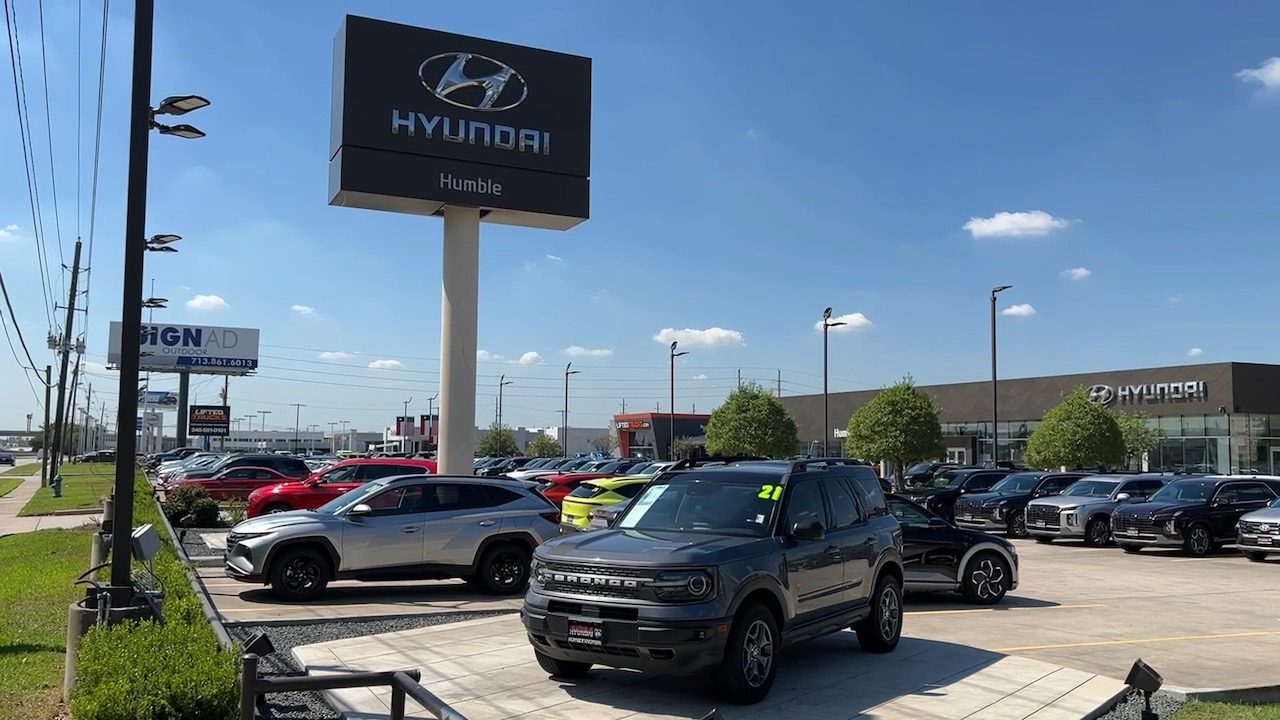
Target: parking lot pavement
x,y
485,669
1202,623
238,602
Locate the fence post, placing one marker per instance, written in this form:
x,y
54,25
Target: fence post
x,y
248,685
397,702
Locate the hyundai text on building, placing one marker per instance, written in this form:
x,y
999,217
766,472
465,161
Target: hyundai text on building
x,y
204,349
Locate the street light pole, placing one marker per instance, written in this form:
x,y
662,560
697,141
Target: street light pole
x,y
264,414
827,430
564,433
431,418
403,432
346,440
502,382
333,440
671,419
995,402
297,419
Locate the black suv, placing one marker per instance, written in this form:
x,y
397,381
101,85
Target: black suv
x,y
939,495
921,472
1197,514
718,569
1004,506
284,464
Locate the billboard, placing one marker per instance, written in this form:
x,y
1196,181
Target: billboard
x,y
423,118
201,349
157,399
209,420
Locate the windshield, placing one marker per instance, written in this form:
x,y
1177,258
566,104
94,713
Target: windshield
x,y
711,502
1091,488
1186,491
1017,483
350,498
950,478
919,468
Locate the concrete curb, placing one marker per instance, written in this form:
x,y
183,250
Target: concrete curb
x,y
366,618
193,578
76,511
1109,705
1255,694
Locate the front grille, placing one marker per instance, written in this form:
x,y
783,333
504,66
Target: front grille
x,y
1259,527
584,569
596,580
1132,523
1047,514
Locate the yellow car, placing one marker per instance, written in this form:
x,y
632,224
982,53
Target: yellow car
x,y
575,511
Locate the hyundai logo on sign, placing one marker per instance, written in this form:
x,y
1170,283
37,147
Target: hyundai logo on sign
x,y
473,81
1101,394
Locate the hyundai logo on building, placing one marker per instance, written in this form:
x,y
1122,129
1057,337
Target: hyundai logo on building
x,y
488,82
1101,394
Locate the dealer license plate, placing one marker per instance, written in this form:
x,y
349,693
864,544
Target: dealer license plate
x,y
1039,523
586,633
1265,540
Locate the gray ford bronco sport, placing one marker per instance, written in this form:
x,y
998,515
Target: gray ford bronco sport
x,y
719,569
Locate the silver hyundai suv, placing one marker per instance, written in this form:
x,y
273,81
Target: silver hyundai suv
x,y
415,526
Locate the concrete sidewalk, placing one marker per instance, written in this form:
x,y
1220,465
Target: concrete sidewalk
x,y
486,670
11,504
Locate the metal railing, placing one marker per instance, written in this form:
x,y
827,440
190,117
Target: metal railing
x,y
403,684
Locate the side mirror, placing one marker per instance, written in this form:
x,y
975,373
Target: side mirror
x,y
937,523
1124,497
808,530
361,509
1218,502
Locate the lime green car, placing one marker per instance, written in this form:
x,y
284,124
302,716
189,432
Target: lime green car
x,y
575,511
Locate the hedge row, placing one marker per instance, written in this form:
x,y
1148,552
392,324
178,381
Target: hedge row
x,y
149,671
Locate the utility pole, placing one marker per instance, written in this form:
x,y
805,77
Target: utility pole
x,y
226,387
65,349
99,439
431,419
624,406
88,417
779,383
44,456
739,377
68,438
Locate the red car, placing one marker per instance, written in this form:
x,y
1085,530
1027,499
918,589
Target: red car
x,y
556,487
328,483
236,483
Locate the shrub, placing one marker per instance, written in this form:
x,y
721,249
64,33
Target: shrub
x,y
203,513
180,501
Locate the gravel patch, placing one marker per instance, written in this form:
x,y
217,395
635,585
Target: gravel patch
x,y
1130,707
311,705
194,545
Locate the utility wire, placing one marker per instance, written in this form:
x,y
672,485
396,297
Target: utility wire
x,y
48,130
97,156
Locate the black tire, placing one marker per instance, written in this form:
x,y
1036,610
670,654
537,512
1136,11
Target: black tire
x,y
750,663
1097,532
880,632
1198,541
1043,540
986,578
1017,525
274,508
503,569
299,573
562,668
1254,555
1131,549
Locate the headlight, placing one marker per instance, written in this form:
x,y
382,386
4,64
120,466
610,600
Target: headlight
x,y
1170,527
235,537
538,572
682,585
998,513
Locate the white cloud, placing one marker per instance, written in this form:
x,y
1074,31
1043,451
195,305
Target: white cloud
x,y
1078,273
1020,310
852,323
1195,352
700,376
386,365
1267,74
10,232
1174,299
486,356
335,355
1015,224
708,338
303,309
554,258
207,302
579,351
529,358
753,134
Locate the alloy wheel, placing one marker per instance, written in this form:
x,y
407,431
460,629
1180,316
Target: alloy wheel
x,y
757,653
890,613
505,571
988,579
1199,541
1018,525
301,575
1099,533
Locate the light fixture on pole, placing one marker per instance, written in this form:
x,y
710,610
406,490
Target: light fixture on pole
x,y
995,401
826,409
671,419
162,243
502,382
564,433
141,122
155,303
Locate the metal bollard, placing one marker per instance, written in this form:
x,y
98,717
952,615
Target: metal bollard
x,y
248,683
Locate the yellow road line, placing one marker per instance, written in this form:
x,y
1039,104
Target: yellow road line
x,y
1137,641
998,609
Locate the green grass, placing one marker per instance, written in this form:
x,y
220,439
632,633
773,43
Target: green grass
x,y
7,485
35,590
1196,710
23,470
83,486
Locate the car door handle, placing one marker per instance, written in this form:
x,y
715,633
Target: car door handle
x,y
833,551
411,529
488,523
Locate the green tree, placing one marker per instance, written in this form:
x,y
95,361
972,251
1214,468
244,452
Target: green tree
x,y
1076,432
899,424
497,441
543,446
687,447
1140,435
605,444
751,422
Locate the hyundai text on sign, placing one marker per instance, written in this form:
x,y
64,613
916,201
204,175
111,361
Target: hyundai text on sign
x,y
191,348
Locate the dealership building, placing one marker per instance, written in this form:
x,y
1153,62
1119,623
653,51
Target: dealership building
x,y
1214,417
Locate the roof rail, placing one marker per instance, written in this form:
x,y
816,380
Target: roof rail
x,y
690,463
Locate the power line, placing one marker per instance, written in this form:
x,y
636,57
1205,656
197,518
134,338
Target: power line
x,y
48,129
97,156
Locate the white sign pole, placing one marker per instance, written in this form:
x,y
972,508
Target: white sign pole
x,y
459,315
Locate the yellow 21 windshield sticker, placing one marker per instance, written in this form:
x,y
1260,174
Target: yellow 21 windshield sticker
x,y
770,492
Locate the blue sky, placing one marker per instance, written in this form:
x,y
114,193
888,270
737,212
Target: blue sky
x,y
1114,163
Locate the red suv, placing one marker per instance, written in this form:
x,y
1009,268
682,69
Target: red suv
x,y
328,483
557,487
236,483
